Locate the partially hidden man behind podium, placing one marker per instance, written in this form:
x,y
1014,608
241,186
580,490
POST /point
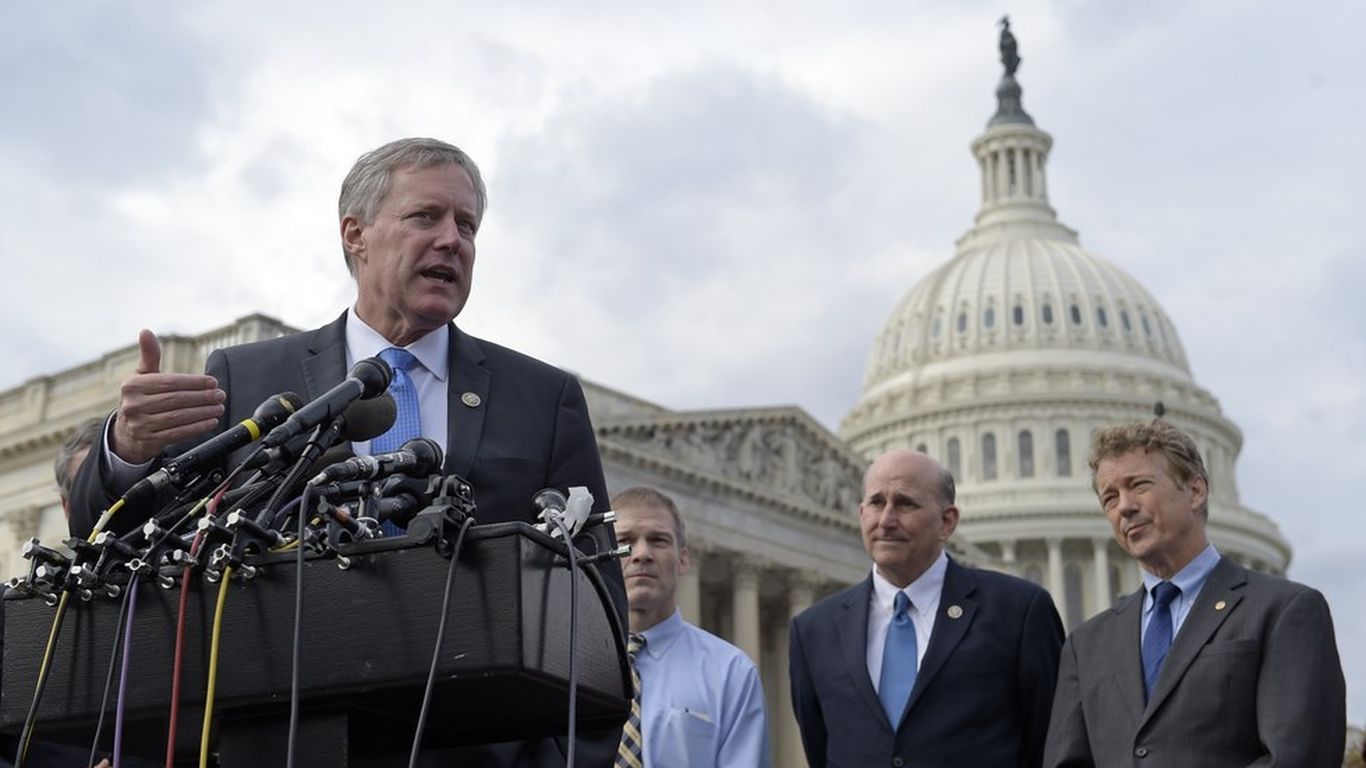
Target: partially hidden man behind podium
x,y
1209,664
409,213
700,703
926,662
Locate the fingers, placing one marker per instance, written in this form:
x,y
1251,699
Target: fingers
x,y
157,409
149,352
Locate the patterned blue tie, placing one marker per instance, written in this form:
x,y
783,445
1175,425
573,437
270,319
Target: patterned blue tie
x,y
1159,636
898,661
408,423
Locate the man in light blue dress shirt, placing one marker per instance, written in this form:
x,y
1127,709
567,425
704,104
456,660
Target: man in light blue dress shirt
x,y
701,701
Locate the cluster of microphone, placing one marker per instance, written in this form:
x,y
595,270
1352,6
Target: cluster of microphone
x,y
300,464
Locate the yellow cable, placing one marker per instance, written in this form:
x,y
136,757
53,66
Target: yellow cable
x,y
47,659
213,667
104,519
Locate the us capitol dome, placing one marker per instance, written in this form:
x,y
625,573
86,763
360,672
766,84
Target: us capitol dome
x,y
1001,363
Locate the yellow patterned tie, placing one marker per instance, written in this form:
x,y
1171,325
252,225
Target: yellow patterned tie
x,y
631,751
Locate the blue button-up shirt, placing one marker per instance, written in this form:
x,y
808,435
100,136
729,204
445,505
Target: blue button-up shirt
x,y
701,702
1189,580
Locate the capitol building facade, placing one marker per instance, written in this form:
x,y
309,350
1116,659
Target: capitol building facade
x,y
1000,364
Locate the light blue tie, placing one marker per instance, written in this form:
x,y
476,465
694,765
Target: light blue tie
x,y
898,661
1158,638
408,423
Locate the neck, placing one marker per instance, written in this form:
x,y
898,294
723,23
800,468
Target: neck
x,y
1165,566
643,619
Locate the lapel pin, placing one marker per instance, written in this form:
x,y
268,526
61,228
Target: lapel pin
x,y
471,400
955,612
1221,605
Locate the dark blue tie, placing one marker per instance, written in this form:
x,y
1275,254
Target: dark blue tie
x,y
408,422
1158,639
898,661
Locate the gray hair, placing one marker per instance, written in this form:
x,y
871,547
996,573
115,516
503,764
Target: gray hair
x,y
84,436
368,183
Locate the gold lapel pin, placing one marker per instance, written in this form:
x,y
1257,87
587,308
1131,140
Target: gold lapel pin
x,y
471,400
955,612
1221,605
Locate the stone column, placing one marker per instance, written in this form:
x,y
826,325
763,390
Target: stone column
x,y
746,608
1056,583
690,587
1008,557
787,740
1101,554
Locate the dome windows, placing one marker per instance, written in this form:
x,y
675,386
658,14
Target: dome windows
x,y
1026,453
989,317
1063,444
1076,315
1047,314
1147,329
955,458
1101,318
937,326
1124,321
1018,315
988,456
962,322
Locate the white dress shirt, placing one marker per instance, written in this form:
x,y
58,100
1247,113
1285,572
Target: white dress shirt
x,y
924,594
431,375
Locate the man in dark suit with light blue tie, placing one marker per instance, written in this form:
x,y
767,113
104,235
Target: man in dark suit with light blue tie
x,y
408,215
1210,664
926,662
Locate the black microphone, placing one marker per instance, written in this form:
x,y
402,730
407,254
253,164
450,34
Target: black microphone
x,y
367,379
267,415
419,456
363,420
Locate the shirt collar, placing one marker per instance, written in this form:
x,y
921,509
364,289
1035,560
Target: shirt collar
x,y
661,636
432,350
1191,578
923,592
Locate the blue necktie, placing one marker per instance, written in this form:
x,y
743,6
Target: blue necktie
x,y
408,423
1159,636
898,661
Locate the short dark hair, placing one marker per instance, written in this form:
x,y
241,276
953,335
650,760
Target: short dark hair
x,y
1157,436
81,438
644,496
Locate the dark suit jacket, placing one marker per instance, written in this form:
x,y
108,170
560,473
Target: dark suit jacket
x,y
982,694
1252,678
530,430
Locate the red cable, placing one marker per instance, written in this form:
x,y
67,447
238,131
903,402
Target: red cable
x,y
210,510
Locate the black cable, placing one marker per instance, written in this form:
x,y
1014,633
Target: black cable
x,y
109,676
298,629
573,637
440,638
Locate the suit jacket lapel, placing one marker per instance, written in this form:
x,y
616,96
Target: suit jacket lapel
x,y
325,366
1126,635
948,631
1201,623
464,422
853,633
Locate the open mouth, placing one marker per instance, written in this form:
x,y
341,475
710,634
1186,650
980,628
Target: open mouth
x,y
442,274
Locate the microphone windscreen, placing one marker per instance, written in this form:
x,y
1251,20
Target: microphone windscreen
x,y
368,419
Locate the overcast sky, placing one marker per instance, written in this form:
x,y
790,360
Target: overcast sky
x,y
718,204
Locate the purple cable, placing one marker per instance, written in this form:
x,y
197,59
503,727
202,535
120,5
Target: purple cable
x,y
123,673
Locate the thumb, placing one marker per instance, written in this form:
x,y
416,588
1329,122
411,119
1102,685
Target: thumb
x,y
149,349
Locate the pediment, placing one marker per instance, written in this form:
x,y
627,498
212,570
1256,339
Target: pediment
x,y
781,455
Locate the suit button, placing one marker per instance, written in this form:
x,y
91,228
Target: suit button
x,y
1141,752
897,762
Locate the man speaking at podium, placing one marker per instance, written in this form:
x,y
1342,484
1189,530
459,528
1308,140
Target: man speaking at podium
x,y
409,214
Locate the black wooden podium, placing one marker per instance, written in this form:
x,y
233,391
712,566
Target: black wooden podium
x,y
368,637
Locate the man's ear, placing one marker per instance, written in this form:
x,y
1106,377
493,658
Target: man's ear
x,y
684,560
353,236
948,522
1199,491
